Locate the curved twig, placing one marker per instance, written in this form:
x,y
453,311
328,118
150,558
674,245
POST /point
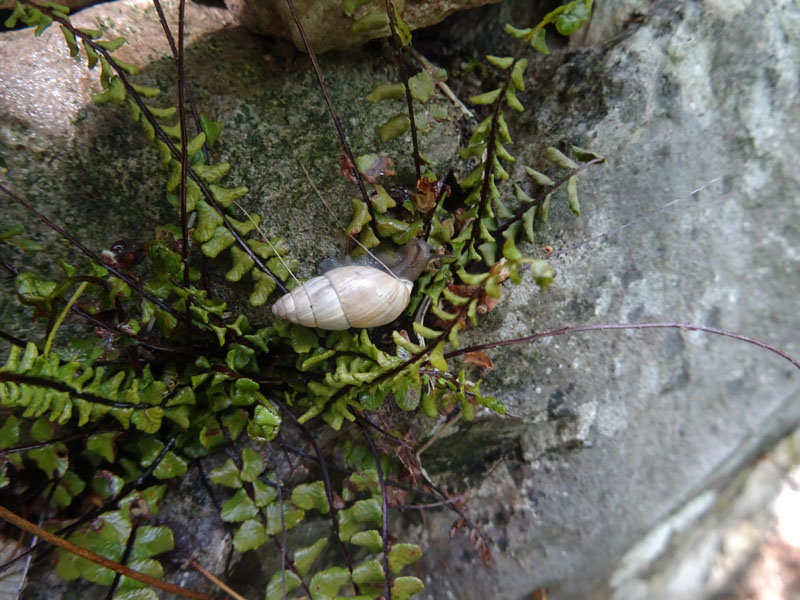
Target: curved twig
x,y
569,330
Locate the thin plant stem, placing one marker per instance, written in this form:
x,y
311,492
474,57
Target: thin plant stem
x,y
326,480
125,556
194,564
61,440
329,102
163,137
184,167
570,330
95,512
541,196
12,339
384,512
63,315
63,387
284,535
92,255
189,95
51,538
339,223
404,73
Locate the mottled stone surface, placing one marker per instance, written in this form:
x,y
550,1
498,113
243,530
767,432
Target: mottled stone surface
x,y
327,27
627,440
618,475
57,145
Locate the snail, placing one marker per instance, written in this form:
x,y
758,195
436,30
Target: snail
x,y
355,295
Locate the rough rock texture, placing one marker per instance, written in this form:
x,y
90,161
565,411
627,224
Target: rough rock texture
x,y
264,90
634,467
327,27
630,445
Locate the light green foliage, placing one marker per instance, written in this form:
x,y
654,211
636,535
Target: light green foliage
x,y
489,145
183,376
108,536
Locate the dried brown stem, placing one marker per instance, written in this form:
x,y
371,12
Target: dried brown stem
x,y
212,578
51,538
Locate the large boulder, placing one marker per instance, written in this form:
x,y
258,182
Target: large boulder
x,y
637,456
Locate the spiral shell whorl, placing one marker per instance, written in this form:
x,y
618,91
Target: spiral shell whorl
x,y
354,296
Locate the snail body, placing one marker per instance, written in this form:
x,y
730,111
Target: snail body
x,y
353,296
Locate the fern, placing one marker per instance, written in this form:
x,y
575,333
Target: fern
x,y
172,375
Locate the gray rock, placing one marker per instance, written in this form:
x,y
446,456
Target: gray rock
x,y
629,444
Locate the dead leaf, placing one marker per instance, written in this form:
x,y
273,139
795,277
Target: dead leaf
x,y
479,359
430,192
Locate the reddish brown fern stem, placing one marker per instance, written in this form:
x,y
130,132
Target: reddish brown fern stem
x,y
92,319
490,148
61,440
540,197
12,339
96,512
184,167
362,419
326,480
462,311
389,482
207,195
8,267
92,255
217,506
336,122
51,538
384,512
125,556
230,449
125,333
404,73
284,536
189,94
487,171
569,330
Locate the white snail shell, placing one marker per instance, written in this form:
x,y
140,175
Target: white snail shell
x,y
353,296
